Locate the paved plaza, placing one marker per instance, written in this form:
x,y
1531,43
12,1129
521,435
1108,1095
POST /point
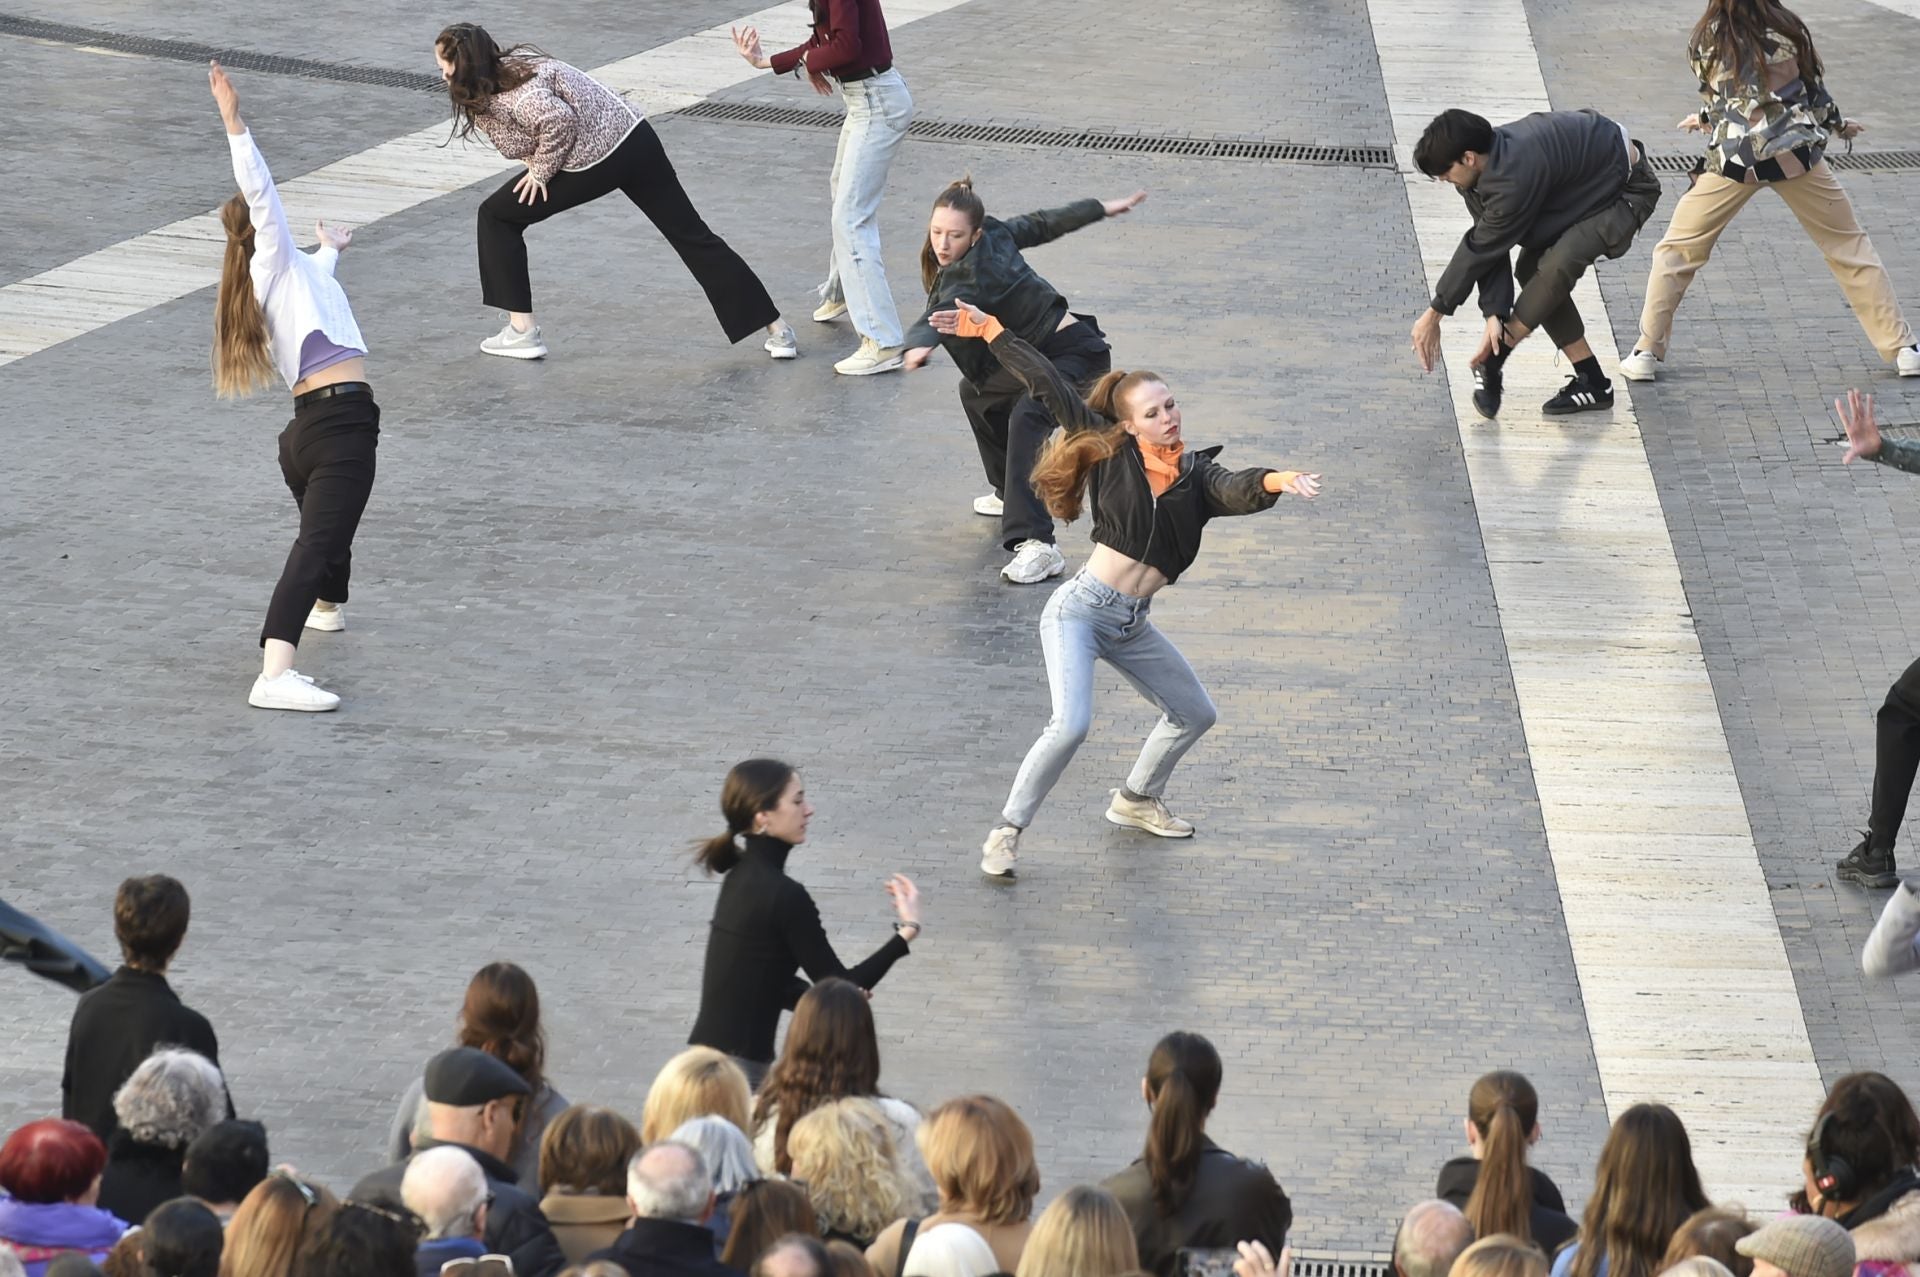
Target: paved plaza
x,y
585,587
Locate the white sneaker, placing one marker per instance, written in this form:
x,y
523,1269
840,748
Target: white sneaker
x,y
784,344
1034,561
1641,366
331,619
511,343
291,690
1908,361
870,359
1000,851
990,505
828,311
1890,947
1151,815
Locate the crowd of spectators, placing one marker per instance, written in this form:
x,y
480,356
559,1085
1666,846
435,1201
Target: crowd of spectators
x,y
820,1173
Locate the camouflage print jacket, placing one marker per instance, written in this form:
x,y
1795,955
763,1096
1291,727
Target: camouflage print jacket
x,y
1764,123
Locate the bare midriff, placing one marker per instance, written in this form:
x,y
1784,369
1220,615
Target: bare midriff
x,y
1129,576
346,370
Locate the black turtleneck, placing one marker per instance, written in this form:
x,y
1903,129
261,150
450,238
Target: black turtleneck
x,y
765,929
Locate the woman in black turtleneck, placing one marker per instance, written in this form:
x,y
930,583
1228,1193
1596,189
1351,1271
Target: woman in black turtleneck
x,y
766,927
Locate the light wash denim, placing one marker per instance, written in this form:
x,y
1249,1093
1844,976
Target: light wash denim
x,y
1085,620
879,109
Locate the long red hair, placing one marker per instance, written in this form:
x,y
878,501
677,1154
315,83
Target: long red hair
x,y
1060,476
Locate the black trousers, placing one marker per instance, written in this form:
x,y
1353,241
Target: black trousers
x,y
638,167
1896,757
1547,275
1011,426
326,454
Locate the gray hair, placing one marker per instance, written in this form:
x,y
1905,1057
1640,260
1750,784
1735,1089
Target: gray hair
x,y
445,1187
1431,1237
725,1149
171,1098
669,1180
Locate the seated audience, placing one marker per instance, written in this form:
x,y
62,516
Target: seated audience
x,y
1431,1237
843,1152
1801,1246
1501,1255
698,1082
501,1016
1493,1184
365,1239
223,1165
795,1255
1711,1234
446,1188
50,1172
763,1212
583,1178
1084,1232
671,1195
950,1250
118,1025
729,1158
980,1155
1644,1189
181,1238
1185,1191
276,1228
1859,1171
474,1103
169,1101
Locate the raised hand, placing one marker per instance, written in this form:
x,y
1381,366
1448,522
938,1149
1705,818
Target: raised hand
x,y
1125,203
225,97
1691,124
747,41
1303,485
1257,1261
332,237
1856,417
906,898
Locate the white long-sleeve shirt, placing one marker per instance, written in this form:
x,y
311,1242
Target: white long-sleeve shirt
x,y
296,290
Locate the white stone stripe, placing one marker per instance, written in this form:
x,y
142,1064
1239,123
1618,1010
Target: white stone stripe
x,y
1689,997
163,265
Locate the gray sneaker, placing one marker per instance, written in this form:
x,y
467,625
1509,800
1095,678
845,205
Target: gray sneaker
x,y
784,344
511,343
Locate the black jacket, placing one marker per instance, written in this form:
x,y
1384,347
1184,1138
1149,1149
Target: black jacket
x,y
994,277
1545,172
139,1177
1162,532
1549,1222
115,1027
1233,1200
665,1248
765,928
515,1226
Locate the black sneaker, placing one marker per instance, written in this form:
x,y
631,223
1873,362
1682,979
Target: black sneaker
x,y
1869,866
1578,395
1487,384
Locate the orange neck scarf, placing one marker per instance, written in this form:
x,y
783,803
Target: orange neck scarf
x,y
1163,464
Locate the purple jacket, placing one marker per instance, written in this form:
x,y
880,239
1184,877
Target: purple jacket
x,y
40,1233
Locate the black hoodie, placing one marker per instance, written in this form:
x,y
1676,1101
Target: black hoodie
x,y
1549,1222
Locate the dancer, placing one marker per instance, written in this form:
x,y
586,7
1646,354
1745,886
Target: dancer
x,y
971,255
281,311
765,925
1122,451
1565,187
1768,117
849,47
579,140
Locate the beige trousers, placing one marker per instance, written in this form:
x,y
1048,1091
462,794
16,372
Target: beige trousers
x,y
1826,213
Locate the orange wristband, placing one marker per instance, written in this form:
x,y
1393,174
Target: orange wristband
x,y
1277,480
967,326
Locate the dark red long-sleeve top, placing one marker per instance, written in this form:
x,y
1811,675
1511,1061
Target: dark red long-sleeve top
x,y
848,36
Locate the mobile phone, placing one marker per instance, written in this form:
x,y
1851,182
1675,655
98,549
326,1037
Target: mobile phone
x,y
1194,1261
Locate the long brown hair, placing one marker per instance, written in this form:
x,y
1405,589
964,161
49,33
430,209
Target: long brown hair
x,y
501,1016
831,1052
1503,1108
481,68
1060,476
1183,1081
1644,1189
274,1226
751,788
761,1214
958,196
242,363
1742,34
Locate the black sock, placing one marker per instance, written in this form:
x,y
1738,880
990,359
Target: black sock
x,y
1588,370
1500,351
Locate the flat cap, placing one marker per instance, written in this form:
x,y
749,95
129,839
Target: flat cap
x,y
464,1077
1802,1246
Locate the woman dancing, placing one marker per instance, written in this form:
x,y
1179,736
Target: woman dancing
x,y
765,925
971,255
579,140
1123,452
1769,118
281,311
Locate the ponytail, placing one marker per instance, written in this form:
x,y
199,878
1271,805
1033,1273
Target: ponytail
x,y
751,788
958,196
1183,1081
1060,476
241,362
1503,1109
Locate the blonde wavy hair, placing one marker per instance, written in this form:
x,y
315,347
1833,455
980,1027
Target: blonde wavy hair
x,y
242,363
698,1082
843,1152
1083,1233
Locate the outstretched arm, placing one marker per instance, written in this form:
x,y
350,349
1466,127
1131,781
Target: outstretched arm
x,y
1864,439
272,239
1050,224
1036,372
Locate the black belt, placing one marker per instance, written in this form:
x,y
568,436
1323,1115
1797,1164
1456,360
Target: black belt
x,y
328,392
867,73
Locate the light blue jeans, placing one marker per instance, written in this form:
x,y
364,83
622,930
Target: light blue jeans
x,y
1088,620
879,109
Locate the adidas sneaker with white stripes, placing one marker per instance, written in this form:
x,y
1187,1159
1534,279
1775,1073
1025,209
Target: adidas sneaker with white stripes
x,y
1579,395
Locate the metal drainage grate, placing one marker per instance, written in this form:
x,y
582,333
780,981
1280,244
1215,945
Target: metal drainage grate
x,y
238,59
1846,161
1060,139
